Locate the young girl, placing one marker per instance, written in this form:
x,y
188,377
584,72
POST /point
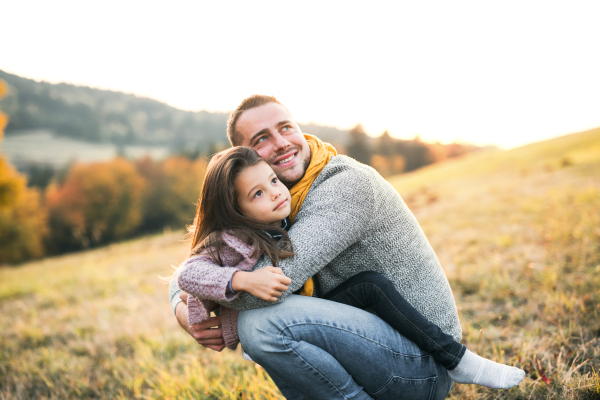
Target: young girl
x,y
242,214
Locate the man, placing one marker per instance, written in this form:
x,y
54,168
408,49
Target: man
x,y
350,220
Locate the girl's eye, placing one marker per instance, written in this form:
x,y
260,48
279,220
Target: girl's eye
x,y
274,181
258,193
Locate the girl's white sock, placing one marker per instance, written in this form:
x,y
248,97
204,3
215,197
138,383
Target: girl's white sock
x,y
481,371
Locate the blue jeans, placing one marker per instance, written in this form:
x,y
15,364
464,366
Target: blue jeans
x,y
318,349
374,291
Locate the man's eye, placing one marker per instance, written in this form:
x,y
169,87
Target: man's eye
x,y
258,193
261,139
285,128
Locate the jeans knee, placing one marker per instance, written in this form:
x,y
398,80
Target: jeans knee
x,y
249,332
259,331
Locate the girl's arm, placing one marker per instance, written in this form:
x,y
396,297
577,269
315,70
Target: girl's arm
x,y
203,278
266,283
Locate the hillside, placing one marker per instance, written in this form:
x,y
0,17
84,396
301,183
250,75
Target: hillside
x,y
516,232
95,115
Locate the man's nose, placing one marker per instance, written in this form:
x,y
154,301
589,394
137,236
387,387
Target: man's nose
x,y
280,141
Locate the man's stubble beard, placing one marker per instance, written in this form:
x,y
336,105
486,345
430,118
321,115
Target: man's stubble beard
x,y
288,183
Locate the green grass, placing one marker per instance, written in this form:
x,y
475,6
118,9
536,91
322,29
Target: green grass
x,y
518,233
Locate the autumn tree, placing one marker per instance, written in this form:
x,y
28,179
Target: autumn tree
x,y
97,203
358,145
385,160
22,218
171,191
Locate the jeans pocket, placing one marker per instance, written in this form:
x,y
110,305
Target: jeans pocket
x,y
398,388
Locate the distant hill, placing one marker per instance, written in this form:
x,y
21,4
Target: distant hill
x,y
104,116
490,167
55,124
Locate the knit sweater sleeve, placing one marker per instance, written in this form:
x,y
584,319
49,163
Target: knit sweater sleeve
x,y
198,310
203,278
333,217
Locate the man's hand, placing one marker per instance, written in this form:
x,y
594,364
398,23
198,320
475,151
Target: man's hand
x,y
207,333
266,283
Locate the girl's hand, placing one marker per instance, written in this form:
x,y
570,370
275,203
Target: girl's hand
x,y
266,283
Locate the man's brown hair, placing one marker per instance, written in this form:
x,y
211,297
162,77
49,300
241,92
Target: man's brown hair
x,y
256,100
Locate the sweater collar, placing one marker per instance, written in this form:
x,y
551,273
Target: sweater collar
x,y
275,234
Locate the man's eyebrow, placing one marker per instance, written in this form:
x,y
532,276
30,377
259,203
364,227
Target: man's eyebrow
x,y
257,134
283,123
266,130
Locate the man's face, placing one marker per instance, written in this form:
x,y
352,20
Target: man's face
x,y
272,132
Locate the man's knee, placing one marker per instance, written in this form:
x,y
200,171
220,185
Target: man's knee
x,y
260,329
253,331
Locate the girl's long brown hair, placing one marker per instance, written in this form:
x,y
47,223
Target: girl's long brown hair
x,y
218,211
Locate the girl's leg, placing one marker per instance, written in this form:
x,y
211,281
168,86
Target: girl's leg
x,y
372,290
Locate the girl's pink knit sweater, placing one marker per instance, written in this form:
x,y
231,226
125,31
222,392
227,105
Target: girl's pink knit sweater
x,y
207,281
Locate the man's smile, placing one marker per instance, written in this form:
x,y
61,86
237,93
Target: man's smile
x,y
287,158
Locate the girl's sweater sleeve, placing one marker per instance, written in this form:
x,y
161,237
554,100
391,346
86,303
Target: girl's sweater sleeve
x,y
206,282
203,278
198,310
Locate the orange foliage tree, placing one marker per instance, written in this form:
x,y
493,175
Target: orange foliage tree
x,y
22,218
97,203
172,188
385,160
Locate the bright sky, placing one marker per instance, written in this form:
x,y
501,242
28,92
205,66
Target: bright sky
x,y
504,72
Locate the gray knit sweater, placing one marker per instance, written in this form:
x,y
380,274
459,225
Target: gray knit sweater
x,y
352,220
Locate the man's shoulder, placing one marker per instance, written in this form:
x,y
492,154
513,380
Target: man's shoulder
x,y
345,165
346,170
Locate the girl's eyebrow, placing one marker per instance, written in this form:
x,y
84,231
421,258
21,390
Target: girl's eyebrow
x,y
252,190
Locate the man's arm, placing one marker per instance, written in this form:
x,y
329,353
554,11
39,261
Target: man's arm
x,y
334,216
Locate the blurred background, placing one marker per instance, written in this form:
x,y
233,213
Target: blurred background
x,y
484,116
150,86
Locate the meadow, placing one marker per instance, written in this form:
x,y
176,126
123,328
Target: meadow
x,y
517,232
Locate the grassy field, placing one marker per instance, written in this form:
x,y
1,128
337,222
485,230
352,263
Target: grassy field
x,y
518,233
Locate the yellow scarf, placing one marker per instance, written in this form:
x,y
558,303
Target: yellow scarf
x,y
321,154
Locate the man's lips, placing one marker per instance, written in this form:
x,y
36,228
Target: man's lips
x,y
281,205
284,160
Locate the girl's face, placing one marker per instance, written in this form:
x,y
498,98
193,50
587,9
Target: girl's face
x,y
261,196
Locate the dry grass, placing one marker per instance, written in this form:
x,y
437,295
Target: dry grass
x,y
518,233
97,325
